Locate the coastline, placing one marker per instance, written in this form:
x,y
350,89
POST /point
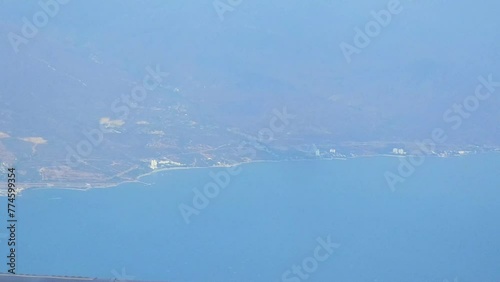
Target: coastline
x,y
86,186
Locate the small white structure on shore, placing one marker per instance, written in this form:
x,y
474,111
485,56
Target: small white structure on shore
x,y
153,165
398,151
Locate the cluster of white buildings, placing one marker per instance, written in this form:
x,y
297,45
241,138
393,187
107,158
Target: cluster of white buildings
x,y
398,151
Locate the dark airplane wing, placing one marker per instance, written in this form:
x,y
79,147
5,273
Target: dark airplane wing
x,y
37,278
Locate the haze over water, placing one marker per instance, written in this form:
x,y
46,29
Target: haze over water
x,y
442,223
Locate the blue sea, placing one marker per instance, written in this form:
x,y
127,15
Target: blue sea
x,y
322,220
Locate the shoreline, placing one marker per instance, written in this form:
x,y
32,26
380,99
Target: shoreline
x,y
105,185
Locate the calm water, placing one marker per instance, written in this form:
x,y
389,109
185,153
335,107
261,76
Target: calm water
x,y
442,223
